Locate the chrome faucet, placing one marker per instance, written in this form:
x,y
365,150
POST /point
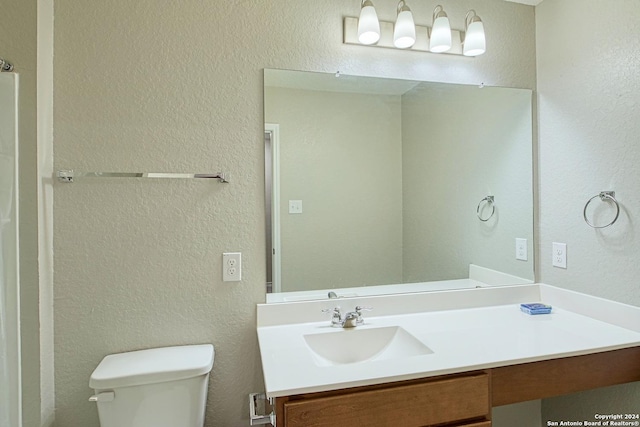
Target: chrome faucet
x,y
351,319
336,316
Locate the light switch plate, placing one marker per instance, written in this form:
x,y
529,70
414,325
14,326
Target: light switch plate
x,y
559,255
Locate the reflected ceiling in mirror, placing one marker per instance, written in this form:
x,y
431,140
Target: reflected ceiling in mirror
x,y
378,186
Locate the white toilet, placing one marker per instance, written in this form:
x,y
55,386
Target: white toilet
x,y
159,387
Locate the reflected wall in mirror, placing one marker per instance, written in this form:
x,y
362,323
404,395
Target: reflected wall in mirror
x,y
378,183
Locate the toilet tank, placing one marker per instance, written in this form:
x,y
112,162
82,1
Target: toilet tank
x,y
158,387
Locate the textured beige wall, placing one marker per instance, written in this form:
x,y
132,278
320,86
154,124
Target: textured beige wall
x,y
588,121
460,144
177,86
18,26
341,154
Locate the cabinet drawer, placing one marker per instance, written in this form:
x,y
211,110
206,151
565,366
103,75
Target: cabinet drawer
x,y
410,405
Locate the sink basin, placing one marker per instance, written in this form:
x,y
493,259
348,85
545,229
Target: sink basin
x,y
360,345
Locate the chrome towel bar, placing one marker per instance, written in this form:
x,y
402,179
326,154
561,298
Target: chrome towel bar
x,y
5,66
68,176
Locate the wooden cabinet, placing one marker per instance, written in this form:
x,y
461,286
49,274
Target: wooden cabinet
x,y
458,400
549,378
462,400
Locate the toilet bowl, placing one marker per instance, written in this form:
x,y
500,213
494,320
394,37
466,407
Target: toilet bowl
x,y
159,387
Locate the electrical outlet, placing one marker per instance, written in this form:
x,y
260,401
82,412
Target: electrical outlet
x,y
231,267
559,255
295,206
521,249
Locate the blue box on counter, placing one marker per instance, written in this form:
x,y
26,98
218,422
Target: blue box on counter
x,y
535,308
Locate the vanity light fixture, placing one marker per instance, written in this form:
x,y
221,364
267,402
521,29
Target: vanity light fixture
x,y
440,35
404,31
474,42
368,24
404,34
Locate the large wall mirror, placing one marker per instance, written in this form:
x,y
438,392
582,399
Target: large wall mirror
x,y
378,185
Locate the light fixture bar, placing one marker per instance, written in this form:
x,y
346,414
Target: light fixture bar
x,y
386,37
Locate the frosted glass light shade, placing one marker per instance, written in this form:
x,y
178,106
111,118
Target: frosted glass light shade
x,y
404,31
440,40
474,41
368,24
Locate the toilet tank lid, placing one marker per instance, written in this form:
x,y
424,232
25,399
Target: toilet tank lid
x,y
151,366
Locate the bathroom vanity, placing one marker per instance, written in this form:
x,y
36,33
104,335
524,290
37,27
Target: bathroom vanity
x,y
441,358
462,399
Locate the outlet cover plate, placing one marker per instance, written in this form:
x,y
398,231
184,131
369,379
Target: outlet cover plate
x,y
231,267
559,255
295,206
521,249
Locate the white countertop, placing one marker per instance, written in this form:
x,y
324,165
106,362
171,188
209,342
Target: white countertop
x,y
476,329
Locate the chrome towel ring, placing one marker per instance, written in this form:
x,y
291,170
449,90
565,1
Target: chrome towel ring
x,y
604,196
488,200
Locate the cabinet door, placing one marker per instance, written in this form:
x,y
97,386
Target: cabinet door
x,y
413,405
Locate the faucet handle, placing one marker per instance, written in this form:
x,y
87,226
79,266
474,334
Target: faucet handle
x,y
336,315
359,310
